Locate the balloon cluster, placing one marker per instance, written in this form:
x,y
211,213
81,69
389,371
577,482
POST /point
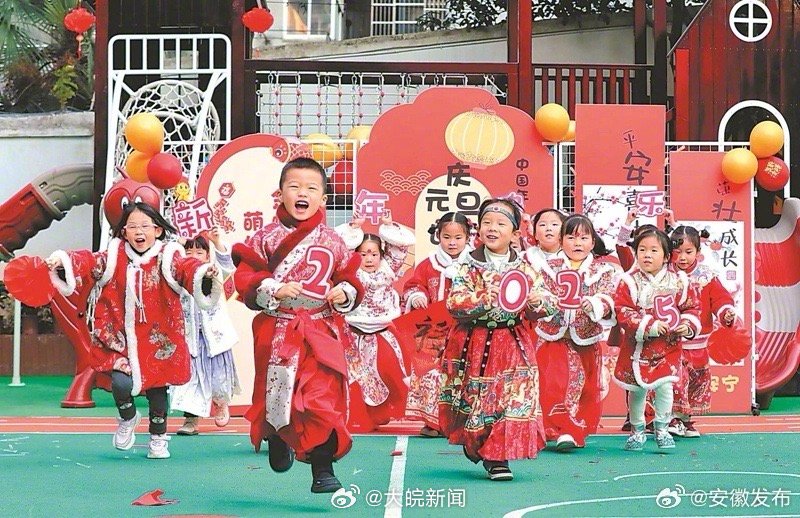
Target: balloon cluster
x,y
145,133
742,165
553,124
340,158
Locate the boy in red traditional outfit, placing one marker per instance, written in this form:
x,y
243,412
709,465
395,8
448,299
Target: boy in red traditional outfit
x,y
298,273
138,319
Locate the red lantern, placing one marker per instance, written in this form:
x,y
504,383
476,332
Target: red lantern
x,y
79,20
164,170
258,19
341,179
772,174
28,280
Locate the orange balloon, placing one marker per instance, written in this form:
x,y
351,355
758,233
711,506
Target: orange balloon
x,y
739,165
766,139
136,166
323,149
570,136
359,134
145,133
552,122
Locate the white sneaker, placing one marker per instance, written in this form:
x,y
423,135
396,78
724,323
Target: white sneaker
x,y
566,442
159,446
222,416
676,427
124,436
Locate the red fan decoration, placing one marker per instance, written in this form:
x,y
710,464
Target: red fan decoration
x,y
28,280
728,345
79,20
258,19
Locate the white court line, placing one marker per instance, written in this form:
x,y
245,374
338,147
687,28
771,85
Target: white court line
x,y
394,508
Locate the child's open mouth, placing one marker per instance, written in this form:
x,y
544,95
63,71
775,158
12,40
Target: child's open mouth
x,y
301,205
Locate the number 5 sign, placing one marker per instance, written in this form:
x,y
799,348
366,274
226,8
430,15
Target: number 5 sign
x,y
514,288
665,310
317,285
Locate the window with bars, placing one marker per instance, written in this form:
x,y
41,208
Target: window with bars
x,y
390,17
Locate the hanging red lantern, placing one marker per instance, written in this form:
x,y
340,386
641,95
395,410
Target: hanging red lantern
x,y
79,20
258,19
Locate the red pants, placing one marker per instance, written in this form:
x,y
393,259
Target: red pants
x,y
570,389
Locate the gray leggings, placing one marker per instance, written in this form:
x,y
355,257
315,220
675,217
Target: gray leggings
x,y
121,387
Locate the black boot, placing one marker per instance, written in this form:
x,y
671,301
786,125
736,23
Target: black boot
x,y
321,458
281,456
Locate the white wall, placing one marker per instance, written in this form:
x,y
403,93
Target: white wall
x,y
32,145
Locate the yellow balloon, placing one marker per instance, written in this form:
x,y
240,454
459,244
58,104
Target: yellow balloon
x,y
570,136
739,165
136,166
766,139
323,149
145,133
552,122
358,133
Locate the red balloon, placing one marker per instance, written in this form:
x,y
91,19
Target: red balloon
x,y
728,345
28,280
124,192
165,170
341,179
772,174
258,19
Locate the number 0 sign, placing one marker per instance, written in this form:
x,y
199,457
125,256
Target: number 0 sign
x,y
514,288
317,285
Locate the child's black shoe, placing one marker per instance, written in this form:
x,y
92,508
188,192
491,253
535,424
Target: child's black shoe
x,y
281,456
325,482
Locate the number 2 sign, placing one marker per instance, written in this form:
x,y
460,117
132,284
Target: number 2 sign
x,y
317,285
514,288
569,289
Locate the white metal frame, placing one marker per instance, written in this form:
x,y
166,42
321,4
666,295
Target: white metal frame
x,y
124,65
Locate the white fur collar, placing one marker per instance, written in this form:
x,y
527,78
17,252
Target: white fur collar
x,y
139,260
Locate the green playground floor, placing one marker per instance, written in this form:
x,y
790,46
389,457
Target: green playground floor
x,y
56,474
82,475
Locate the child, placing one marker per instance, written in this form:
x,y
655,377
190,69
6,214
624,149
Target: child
x,y
211,337
693,391
489,401
137,319
546,226
430,284
656,307
378,379
296,272
569,353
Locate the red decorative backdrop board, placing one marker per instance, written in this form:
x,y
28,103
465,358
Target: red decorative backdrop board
x,y
618,145
702,197
447,151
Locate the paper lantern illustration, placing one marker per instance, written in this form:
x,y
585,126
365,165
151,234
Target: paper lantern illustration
x,y
479,138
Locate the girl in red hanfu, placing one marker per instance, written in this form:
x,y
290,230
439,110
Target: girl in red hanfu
x,y
693,390
656,307
546,227
570,330
138,319
298,273
429,284
490,393
378,379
